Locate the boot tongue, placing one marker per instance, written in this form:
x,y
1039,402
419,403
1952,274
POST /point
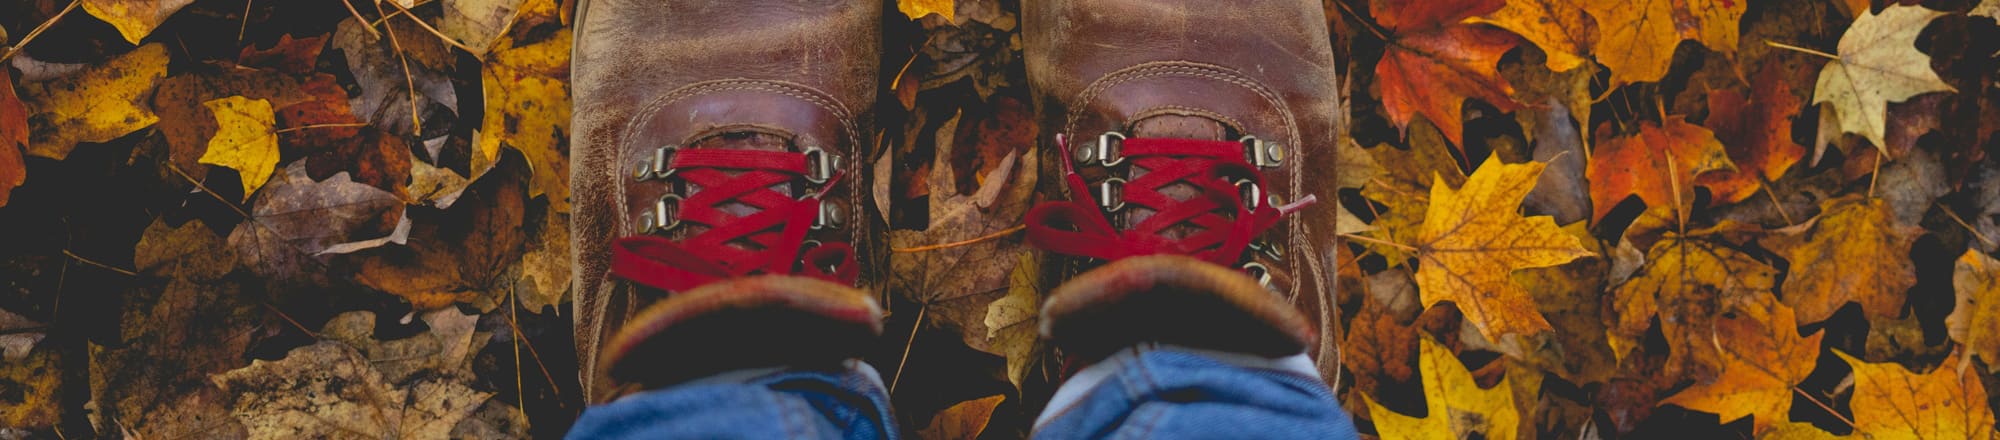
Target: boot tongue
x,y
1172,126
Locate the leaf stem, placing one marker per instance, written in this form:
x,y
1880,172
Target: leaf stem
x,y
975,240
911,343
1803,50
305,127
1823,406
1404,247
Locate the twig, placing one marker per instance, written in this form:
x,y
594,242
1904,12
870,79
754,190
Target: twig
x,y
81,259
1364,23
1822,405
1877,174
427,26
1968,227
912,342
38,31
416,122
304,127
983,238
532,354
359,19
288,318
1780,206
246,21
1801,50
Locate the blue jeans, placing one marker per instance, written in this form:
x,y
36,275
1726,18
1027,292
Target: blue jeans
x,y
1146,391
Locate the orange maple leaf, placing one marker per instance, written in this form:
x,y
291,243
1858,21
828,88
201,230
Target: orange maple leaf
x,y
1659,164
1757,131
1435,61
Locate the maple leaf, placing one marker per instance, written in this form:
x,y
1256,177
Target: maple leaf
x,y
295,219
1382,339
527,108
1975,321
403,82
545,268
34,390
13,137
372,157
1637,39
478,24
189,124
320,119
1757,131
1763,358
917,9
1474,237
1404,187
1457,406
244,140
1855,251
135,19
1878,64
1436,62
1011,320
96,104
290,55
963,421
1659,164
1683,281
1559,27
330,390
1891,401
465,255
1569,297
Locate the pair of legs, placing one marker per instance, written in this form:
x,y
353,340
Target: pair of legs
x,y
724,255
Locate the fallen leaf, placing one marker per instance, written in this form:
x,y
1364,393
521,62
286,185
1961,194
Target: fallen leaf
x,y
188,123
387,72
290,55
1570,296
1796,431
33,385
296,218
1559,27
917,9
13,137
1975,321
1891,401
1637,39
1757,132
478,23
1474,237
1436,62
18,336
1011,321
135,19
963,421
545,269
436,187
1856,251
1986,8
372,157
1404,187
527,108
244,140
1457,406
1659,164
320,121
1763,360
1684,282
152,380
328,390
463,256
445,351
1382,339
98,104
1879,63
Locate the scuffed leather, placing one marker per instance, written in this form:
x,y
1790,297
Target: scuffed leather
x,y
656,72
1261,68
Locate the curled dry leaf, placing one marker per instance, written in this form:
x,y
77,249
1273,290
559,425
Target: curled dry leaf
x,y
96,104
1474,237
1456,406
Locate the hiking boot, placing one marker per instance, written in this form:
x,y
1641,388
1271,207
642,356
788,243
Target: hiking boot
x,y
1189,132
716,160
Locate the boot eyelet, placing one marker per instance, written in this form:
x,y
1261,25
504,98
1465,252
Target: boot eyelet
x,y
829,216
1273,252
1262,153
1107,155
1258,271
820,165
665,215
658,167
1251,193
1111,194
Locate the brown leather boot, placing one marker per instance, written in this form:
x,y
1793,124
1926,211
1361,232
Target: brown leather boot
x,y
716,160
1190,130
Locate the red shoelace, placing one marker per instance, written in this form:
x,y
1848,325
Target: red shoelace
x,y
1225,224
735,177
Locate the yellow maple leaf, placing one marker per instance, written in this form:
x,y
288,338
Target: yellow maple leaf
x,y
527,109
1474,237
243,140
1892,402
135,19
1404,187
1457,407
1559,27
1879,63
96,104
1636,39
1855,251
1680,282
1762,356
1975,322
917,9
